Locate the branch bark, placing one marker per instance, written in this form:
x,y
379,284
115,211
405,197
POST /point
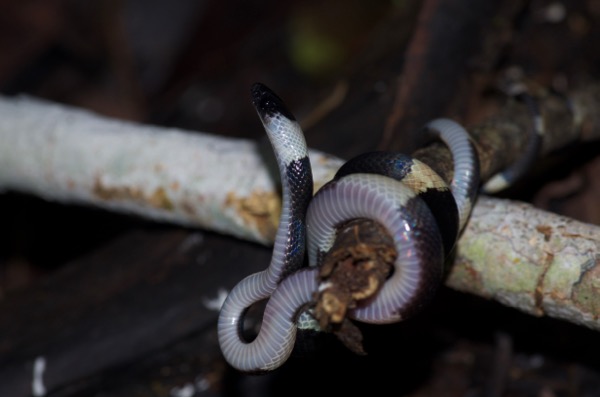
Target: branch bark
x,y
533,260
194,179
523,257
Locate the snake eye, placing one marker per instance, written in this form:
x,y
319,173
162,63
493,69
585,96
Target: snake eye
x,y
267,103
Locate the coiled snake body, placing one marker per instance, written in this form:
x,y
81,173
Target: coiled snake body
x,y
423,215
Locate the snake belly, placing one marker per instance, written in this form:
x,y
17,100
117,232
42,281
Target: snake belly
x,y
288,255
422,214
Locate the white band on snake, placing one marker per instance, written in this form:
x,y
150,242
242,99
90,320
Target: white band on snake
x,y
423,215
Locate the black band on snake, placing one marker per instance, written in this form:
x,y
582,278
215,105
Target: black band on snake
x,y
422,214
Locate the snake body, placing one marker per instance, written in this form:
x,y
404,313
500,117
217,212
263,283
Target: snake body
x,y
291,154
423,215
516,170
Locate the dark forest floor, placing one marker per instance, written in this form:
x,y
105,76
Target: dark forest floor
x,y
68,272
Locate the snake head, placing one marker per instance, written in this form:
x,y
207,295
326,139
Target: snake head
x,y
268,104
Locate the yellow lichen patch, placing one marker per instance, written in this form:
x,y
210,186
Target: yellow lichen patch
x,y
260,209
157,199
116,193
160,199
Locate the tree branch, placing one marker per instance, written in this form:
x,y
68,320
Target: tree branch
x,y
195,179
533,260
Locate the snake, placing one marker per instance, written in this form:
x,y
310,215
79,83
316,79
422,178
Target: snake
x,y
423,215
524,163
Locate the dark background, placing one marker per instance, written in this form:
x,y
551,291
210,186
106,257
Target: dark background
x,y
114,303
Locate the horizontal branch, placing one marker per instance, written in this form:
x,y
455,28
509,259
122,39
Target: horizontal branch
x,y
533,260
195,179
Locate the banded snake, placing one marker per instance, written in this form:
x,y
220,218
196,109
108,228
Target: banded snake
x,y
419,210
